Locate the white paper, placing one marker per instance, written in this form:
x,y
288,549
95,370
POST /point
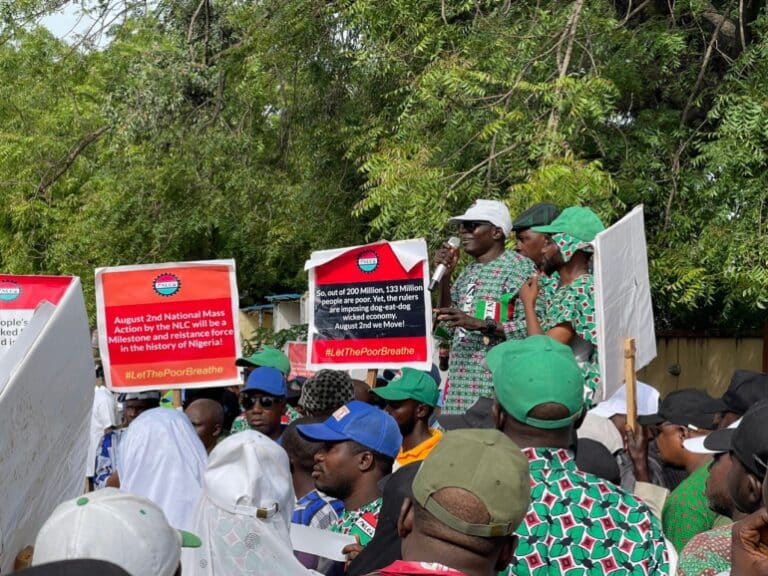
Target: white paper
x,y
45,410
622,299
320,542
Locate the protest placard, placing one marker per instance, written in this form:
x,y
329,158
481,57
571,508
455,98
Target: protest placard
x,y
622,299
19,296
46,392
168,325
369,307
297,356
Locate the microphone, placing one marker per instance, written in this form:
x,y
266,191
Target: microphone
x,y
454,243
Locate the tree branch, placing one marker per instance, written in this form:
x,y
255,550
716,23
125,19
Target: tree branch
x,y
58,170
570,34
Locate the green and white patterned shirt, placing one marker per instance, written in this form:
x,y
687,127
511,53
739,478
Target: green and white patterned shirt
x,y
361,522
483,290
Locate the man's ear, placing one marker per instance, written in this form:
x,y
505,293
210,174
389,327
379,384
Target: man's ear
x,y
506,553
422,411
754,491
365,461
217,431
405,520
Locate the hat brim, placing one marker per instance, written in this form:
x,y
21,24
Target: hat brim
x,y
547,229
696,445
393,395
719,440
321,432
651,420
604,410
189,540
454,422
245,362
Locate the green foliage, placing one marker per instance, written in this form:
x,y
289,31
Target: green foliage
x,y
264,130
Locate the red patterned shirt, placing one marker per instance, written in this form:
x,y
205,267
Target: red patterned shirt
x,y
578,524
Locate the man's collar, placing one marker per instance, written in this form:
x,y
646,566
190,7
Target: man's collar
x,y
542,458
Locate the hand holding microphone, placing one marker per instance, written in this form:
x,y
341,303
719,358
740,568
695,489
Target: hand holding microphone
x,y
446,258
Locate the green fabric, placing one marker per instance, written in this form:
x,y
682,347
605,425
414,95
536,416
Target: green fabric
x,y
685,512
577,221
574,304
708,553
411,384
269,357
476,286
361,522
534,371
568,245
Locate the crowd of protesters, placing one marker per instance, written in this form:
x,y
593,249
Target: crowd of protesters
x,y
508,466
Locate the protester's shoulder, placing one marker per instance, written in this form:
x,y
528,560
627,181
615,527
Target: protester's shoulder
x,y
516,261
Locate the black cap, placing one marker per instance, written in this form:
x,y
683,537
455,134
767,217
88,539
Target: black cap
x,y
746,389
594,458
80,567
749,442
477,416
685,408
539,214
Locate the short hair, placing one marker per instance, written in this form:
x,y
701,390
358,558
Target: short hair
x,y
301,451
382,461
464,505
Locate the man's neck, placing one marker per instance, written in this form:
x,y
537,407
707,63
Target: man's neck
x,y
575,267
427,550
695,461
303,483
419,434
494,252
365,494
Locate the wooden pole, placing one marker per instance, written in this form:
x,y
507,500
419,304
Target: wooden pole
x,y
370,377
177,398
630,381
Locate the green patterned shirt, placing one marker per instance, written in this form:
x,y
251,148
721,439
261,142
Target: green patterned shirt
x,y
361,522
483,290
707,554
686,512
574,304
580,525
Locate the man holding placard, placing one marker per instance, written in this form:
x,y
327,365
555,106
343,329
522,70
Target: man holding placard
x,y
479,306
570,309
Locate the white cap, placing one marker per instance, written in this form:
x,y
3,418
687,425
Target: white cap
x,y
696,445
647,402
492,211
125,529
249,474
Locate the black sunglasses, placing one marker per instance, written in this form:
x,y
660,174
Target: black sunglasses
x,y
247,402
470,225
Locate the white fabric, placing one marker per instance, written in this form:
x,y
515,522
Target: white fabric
x,y
110,525
247,473
601,430
492,211
162,459
647,401
696,444
102,417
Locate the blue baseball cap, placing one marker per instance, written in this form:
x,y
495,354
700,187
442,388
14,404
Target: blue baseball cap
x,y
269,380
358,422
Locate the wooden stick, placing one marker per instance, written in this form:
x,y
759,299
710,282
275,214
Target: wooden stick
x,y
370,377
177,398
630,380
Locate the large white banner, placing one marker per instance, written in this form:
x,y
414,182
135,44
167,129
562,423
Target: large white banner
x,y
46,393
622,299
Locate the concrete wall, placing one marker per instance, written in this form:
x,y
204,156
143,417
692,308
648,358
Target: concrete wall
x,y
705,363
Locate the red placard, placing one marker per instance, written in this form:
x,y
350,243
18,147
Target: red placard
x,y
370,307
168,325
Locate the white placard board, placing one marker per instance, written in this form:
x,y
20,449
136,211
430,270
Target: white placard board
x,y
622,299
46,392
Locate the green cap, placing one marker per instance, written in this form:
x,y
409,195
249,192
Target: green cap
x,y
485,463
535,371
537,215
410,385
269,357
577,221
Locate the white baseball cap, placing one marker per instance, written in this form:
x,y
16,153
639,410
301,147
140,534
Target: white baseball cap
x,y
122,528
492,211
647,402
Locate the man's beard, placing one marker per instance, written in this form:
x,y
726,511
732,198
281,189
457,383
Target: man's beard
x,y
340,491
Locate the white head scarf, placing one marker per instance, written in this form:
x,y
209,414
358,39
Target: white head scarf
x,y
162,459
244,514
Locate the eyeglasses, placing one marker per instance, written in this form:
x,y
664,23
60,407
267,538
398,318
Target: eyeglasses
x,y
470,225
247,402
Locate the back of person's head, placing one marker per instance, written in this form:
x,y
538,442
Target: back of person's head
x,y
539,388
594,458
749,458
301,451
118,527
469,496
207,416
162,459
325,392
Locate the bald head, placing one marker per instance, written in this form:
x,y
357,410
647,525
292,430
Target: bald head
x,y
207,416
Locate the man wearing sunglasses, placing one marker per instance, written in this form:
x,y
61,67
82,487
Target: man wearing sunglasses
x,y
263,400
479,307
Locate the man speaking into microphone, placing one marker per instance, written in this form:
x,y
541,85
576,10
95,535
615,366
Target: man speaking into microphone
x,y
479,307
